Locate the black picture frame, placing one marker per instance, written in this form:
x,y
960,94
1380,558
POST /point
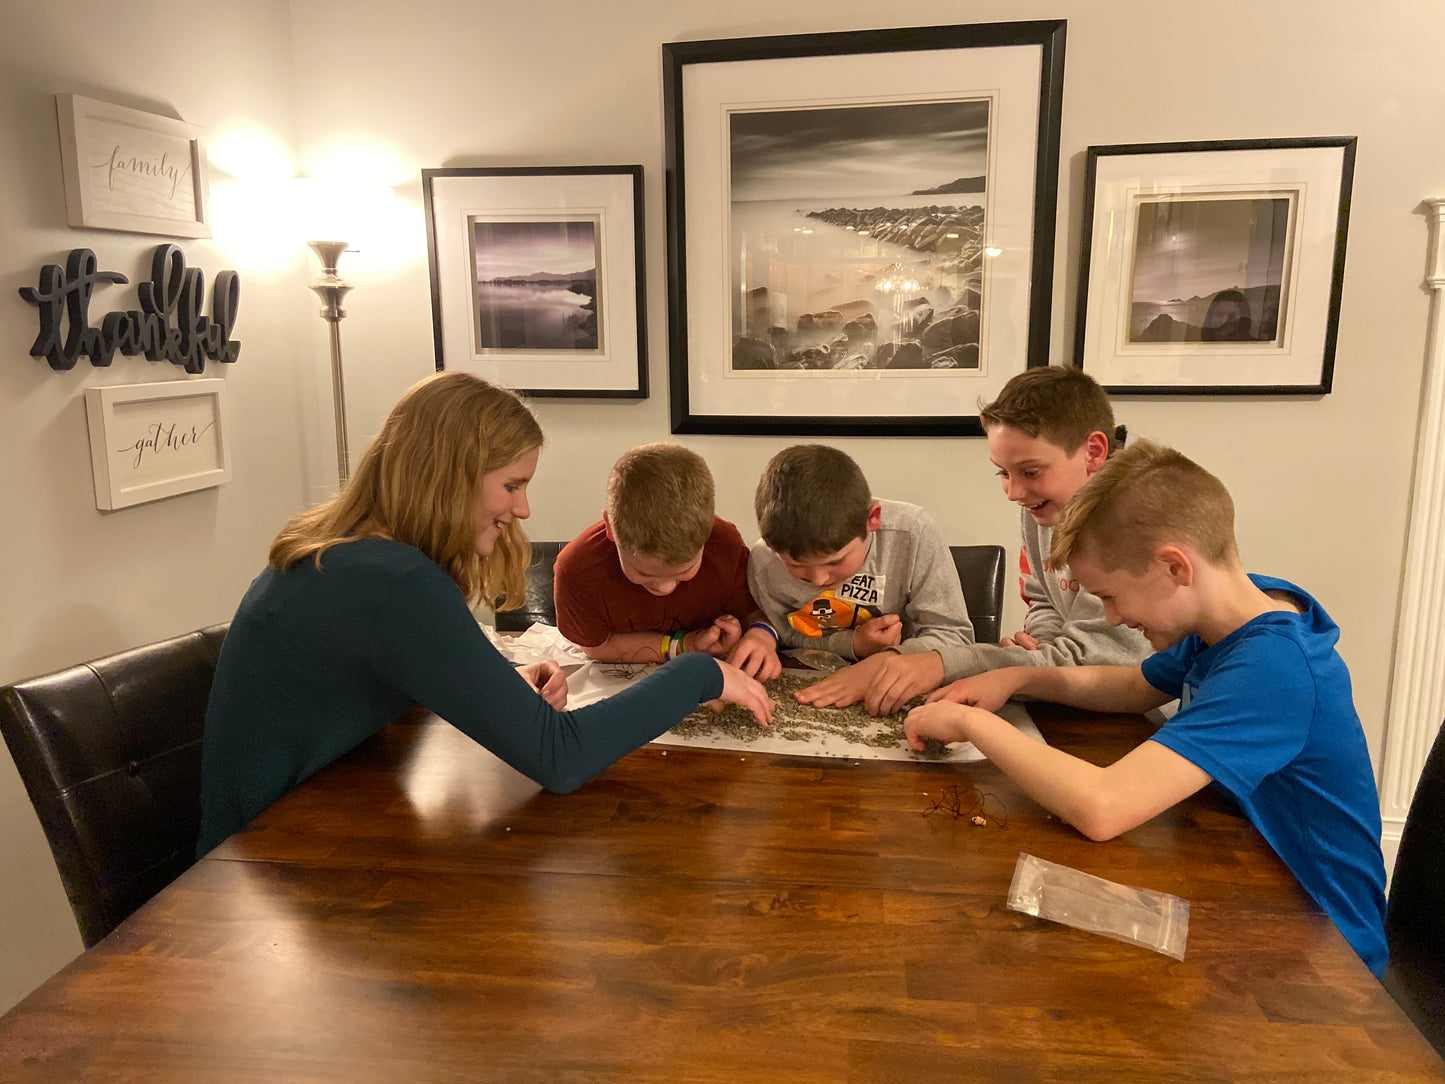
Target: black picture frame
x,y
527,329
1214,267
1017,70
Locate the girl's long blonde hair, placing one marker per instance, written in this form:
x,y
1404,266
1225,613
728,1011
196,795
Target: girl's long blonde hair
x,y
418,483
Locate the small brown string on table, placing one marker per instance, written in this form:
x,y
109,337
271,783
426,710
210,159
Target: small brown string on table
x,y
960,800
626,671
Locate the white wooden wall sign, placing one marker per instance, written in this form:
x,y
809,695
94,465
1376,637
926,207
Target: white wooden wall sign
x,y
130,170
149,441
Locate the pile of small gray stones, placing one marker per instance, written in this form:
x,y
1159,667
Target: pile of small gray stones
x,y
801,722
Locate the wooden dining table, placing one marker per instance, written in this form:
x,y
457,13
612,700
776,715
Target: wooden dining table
x,y
418,911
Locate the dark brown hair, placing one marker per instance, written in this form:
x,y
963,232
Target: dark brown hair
x,y
812,500
1059,403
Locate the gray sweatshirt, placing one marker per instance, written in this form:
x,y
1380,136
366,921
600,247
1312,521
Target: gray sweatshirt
x,y
908,571
1066,619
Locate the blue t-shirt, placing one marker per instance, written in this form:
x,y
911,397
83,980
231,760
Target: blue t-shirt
x,y
1268,713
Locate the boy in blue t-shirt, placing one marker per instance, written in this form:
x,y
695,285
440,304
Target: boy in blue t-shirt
x,y
1265,703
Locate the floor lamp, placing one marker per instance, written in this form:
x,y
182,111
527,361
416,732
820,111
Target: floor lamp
x,y
332,289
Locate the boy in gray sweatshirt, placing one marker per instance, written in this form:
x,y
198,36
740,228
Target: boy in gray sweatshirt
x,y
870,580
1050,430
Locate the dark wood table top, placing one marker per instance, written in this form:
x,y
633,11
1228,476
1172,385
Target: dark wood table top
x,y
421,912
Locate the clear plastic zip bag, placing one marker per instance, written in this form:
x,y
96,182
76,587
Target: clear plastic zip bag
x,y
1139,916
814,658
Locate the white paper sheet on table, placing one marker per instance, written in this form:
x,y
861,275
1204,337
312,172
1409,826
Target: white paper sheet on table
x,y
589,681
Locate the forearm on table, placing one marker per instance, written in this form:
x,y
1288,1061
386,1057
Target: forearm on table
x,y
1100,802
1092,688
629,647
1060,782
572,747
938,641
926,664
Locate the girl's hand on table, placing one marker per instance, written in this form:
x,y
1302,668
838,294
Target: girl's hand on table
x,y
549,681
740,689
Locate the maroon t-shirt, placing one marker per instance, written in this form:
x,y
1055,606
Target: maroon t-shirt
x,y
595,600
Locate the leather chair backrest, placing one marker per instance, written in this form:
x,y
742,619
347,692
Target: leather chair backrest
x,y
537,607
980,571
110,753
1416,973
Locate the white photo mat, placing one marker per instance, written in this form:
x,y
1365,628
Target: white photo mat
x,y
1008,77
1309,177
149,441
457,199
126,169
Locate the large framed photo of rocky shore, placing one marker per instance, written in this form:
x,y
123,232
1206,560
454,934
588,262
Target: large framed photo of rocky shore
x,y
860,226
1214,268
537,277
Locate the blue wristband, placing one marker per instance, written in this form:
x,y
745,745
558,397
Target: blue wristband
x,y
766,628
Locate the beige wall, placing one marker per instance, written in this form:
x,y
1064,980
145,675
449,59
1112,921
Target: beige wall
x,y
1322,485
79,582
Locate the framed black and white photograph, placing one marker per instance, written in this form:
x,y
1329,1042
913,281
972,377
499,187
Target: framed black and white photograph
x,y
1214,268
537,277
126,169
860,226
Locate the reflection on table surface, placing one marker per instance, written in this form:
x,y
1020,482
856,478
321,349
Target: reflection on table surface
x,y
419,911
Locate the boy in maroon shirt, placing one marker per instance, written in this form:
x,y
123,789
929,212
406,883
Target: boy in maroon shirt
x,y
660,574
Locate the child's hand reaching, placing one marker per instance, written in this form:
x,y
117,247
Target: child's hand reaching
x,y
717,639
940,720
989,690
549,681
738,688
877,633
757,654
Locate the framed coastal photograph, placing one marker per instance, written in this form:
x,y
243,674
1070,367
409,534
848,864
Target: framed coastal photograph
x,y
537,277
1214,268
860,226
126,169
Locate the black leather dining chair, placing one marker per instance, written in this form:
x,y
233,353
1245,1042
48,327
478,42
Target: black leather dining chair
x,y
110,754
980,571
537,607
1415,976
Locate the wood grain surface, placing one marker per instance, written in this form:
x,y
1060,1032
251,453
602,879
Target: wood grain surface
x,y
420,912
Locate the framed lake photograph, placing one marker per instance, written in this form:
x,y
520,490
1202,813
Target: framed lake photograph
x,y
1214,268
860,226
537,277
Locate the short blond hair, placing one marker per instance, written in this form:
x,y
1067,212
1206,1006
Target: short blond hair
x,y
1144,497
660,502
418,483
811,500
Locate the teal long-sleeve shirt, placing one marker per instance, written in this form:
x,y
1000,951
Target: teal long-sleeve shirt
x,y
316,661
